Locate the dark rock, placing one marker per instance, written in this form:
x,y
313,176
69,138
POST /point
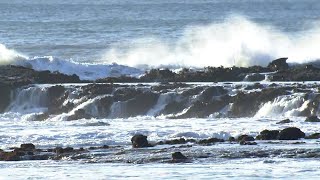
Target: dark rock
x,y
139,141
97,89
247,143
232,139
291,133
254,77
268,135
279,65
313,136
312,119
175,141
210,92
285,121
28,147
10,156
173,107
177,156
5,96
124,94
245,138
210,141
201,109
247,104
169,86
141,104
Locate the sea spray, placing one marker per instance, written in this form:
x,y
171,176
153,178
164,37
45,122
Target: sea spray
x,y
237,41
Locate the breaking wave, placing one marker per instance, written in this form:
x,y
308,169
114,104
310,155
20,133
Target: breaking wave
x,y
236,41
86,71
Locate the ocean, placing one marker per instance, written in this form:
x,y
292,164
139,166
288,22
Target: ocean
x,y
110,38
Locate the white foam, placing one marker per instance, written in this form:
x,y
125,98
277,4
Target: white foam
x,y
9,56
86,71
236,41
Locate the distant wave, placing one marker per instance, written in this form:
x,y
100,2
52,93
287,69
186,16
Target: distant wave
x,y
86,71
236,41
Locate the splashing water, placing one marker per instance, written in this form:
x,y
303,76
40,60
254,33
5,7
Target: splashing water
x,y
236,41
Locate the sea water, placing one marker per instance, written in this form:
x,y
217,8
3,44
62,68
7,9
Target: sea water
x,y
86,37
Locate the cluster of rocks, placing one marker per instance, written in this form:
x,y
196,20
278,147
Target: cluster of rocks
x,y
283,72
30,152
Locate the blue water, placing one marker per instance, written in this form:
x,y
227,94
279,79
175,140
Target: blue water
x,y
83,30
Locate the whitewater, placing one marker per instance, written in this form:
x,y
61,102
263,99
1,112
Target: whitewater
x,y
99,39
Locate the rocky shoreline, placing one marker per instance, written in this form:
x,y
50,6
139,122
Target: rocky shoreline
x,y
27,152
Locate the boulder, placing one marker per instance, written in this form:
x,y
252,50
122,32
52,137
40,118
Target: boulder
x,y
291,133
178,157
139,141
28,147
268,135
245,138
210,141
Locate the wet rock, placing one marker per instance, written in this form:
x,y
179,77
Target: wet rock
x,y
178,157
5,96
169,86
268,135
141,104
173,141
254,77
139,141
103,106
245,138
312,119
313,136
173,107
254,86
79,114
124,94
210,141
291,133
285,121
242,142
97,89
28,147
10,156
279,65
247,104
232,139
203,109
210,92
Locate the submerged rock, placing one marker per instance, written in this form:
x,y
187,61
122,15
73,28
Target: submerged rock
x,y
291,133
